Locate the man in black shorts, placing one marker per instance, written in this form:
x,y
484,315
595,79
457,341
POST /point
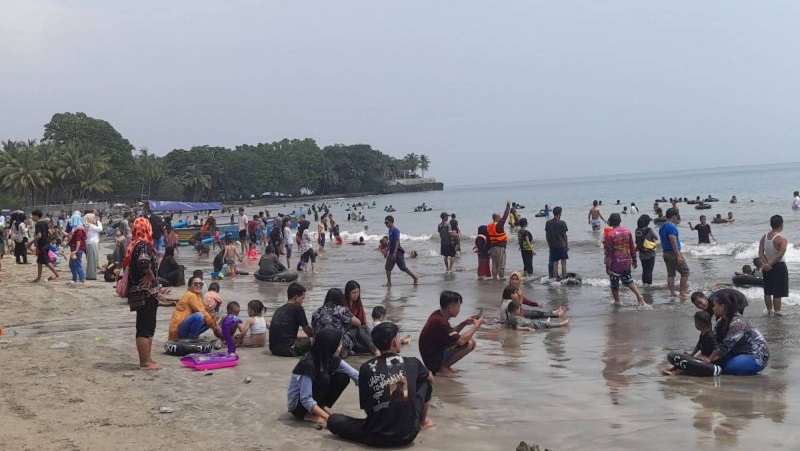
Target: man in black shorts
x,y
395,255
771,250
448,247
556,233
242,222
42,246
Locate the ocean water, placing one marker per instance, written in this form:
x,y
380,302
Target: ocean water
x,y
596,383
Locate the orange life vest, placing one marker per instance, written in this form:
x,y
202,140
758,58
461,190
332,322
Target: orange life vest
x,y
495,237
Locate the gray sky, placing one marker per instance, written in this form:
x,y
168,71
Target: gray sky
x,y
506,90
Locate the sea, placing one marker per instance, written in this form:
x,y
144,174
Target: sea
x,y
594,384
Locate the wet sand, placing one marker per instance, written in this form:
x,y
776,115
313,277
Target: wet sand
x,y
71,381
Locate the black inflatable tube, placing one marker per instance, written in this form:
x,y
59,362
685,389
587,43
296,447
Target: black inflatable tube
x,y
573,278
745,280
692,366
186,346
239,272
287,276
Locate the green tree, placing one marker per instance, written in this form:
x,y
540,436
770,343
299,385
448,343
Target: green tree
x,y
412,162
424,164
194,177
22,169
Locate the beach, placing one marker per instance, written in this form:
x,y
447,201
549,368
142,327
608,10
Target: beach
x,y
71,379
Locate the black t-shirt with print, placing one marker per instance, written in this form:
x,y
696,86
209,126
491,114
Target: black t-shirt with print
x,y
387,389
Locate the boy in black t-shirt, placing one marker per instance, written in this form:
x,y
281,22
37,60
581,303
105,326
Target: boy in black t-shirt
x,y
703,231
394,391
283,339
706,343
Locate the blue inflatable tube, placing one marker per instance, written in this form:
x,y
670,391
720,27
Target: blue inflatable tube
x,y
181,224
210,239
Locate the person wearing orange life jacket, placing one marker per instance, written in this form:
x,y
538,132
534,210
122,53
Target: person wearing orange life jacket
x,y
498,241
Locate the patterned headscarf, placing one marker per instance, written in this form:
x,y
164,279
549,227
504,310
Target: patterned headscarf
x,y
142,231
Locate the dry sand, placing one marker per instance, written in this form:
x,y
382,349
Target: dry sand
x,y
71,382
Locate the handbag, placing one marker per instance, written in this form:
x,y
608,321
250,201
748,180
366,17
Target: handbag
x,y
137,297
122,285
649,245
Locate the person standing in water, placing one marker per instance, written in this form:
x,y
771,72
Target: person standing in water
x,y
796,202
447,246
771,251
497,242
620,255
673,258
595,217
556,233
395,255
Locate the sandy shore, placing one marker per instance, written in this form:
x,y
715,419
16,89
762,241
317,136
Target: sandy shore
x,y
71,382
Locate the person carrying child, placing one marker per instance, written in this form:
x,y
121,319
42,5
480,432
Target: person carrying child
x,y
518,322
256,324
706,344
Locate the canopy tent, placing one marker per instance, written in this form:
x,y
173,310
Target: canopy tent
x,y
169,205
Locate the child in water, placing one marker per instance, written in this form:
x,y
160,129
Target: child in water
x,y
705,344
256,324
379,316
252,252
518,322
229,325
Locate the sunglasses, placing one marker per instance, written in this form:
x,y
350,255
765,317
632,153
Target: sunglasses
x,y
197,284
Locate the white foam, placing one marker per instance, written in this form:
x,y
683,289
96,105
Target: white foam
x,y
739,251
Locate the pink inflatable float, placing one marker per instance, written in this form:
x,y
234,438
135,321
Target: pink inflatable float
x,y
210,361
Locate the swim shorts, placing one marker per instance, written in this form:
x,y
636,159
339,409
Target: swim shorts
x,y
41,255
399,259
451,351
558,253
242,235
448,250
621,276
309,255
596,223
776,281
671,260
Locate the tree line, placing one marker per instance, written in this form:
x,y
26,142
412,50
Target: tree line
x,y
83,158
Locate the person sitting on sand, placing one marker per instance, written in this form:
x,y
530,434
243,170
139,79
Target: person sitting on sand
x,y
742,350
510,295
518,322
256,324
212,300
334,314
319,378
170,273
287,319
395,393
190,318
442,345
378,317
706,343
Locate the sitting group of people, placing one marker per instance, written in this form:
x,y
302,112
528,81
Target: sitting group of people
x,y
733,346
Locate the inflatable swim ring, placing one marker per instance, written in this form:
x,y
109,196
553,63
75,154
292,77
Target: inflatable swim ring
x,y
746,280
659,220
186,346
201,362
693,366
702,207
572,279
239,272
541,215
286,276
711,199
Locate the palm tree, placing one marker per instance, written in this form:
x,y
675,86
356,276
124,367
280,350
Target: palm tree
x,y
412,161
92,175
22,169
424,164
149,169
194,177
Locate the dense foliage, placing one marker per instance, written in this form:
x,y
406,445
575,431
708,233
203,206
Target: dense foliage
x,y
80,157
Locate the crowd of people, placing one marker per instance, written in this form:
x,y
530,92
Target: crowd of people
x,y
394,390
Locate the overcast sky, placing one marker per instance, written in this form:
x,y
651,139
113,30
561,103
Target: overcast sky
x,y
501,90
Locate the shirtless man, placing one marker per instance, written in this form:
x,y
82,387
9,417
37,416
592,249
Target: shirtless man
x,y
594,217
771,252
231,254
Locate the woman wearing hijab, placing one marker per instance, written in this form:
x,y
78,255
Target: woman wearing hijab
x,y
93,228
140,264
77,247
19,233
319,378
